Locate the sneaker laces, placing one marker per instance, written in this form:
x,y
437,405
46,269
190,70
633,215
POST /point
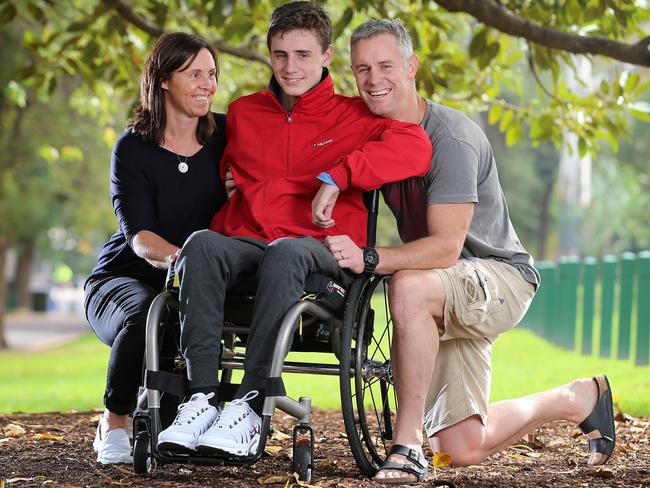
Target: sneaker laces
x,y
189,411
236,411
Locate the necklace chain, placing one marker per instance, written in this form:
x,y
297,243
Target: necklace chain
x,y
183,167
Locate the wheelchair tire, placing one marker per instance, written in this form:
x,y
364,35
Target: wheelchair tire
x,y
367,393
303,460
142,461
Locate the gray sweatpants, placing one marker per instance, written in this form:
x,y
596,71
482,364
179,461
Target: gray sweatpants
x,y
211,264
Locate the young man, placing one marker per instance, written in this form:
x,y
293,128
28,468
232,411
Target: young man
x,y
461,278
279,141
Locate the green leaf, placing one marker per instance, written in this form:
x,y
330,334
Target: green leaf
x,y
506,120
641,115
477,45
493,50
641,88
513,134
51,86
7,13
632,81
495,113
575,10
582,147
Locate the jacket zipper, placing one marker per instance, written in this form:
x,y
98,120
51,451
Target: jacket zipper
x,y
289,141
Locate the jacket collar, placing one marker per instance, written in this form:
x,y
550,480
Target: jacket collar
x,y
313,100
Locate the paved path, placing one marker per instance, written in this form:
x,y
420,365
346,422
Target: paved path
x,y
33,332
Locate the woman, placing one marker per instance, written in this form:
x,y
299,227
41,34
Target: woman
x,y
164,186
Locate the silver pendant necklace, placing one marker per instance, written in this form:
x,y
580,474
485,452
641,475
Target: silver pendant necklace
x,y
182,163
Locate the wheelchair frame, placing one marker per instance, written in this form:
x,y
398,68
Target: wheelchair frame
x,y
356,343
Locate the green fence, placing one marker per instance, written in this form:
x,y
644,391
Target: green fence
x,y
595,306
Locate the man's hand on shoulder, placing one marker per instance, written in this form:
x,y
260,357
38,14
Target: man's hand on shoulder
x,y
347,254
322,205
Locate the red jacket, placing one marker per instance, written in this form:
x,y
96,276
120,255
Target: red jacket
x,y
275,157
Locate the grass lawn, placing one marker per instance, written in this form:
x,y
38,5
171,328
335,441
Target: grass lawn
x,y
72,377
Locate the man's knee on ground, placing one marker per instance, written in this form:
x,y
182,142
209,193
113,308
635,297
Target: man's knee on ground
x,y
412,292
463,442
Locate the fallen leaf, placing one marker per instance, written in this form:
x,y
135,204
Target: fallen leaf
x,y
623,417
440,460
573,461
279,436
525,451
327,463
17,480
557,443
271,479
123,470
303,483
576,433
13,430
343,434
48,437
605,473
626,447
273,449
515,455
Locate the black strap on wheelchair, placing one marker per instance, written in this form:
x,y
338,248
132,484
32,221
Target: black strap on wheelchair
x,y
326,291
166,382
275,387
227,391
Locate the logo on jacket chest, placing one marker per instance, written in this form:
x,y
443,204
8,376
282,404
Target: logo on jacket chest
x,y
323,143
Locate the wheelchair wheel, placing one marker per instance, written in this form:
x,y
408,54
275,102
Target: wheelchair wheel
x,y
367,394
303,452
142,453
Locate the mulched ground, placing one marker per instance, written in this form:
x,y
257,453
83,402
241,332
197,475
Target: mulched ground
x,y
55,450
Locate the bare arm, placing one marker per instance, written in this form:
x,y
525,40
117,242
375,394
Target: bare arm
x,y
153,248
447,224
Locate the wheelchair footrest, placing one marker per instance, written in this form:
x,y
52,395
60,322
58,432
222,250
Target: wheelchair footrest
x,y
166,382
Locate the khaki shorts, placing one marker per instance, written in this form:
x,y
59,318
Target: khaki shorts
x,y
484,298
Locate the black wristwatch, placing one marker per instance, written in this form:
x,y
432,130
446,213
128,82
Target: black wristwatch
x,y
370,259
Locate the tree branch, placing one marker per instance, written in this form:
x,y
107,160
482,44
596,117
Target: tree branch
x,y
494,15
127,13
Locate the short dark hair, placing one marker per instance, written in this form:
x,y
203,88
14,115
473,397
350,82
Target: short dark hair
x,y
169,53
301,15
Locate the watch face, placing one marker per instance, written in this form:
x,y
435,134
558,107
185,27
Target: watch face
x,y
371,257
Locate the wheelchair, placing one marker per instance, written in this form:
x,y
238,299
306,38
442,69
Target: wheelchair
x,y
354,324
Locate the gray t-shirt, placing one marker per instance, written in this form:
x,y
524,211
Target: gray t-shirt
x,y
463,170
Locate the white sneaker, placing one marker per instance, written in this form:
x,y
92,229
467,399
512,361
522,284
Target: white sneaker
x,y
236,432
193,419
114,447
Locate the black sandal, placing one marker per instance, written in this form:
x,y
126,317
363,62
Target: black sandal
x,y
599,426
417,466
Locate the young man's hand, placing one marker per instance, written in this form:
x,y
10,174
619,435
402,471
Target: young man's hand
x,y
229,183
347,254
323,204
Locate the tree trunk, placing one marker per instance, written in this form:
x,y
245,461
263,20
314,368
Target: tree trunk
x,y
4,246
24,270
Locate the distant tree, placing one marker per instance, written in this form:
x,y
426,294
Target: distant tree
x,y
51,173
472,55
